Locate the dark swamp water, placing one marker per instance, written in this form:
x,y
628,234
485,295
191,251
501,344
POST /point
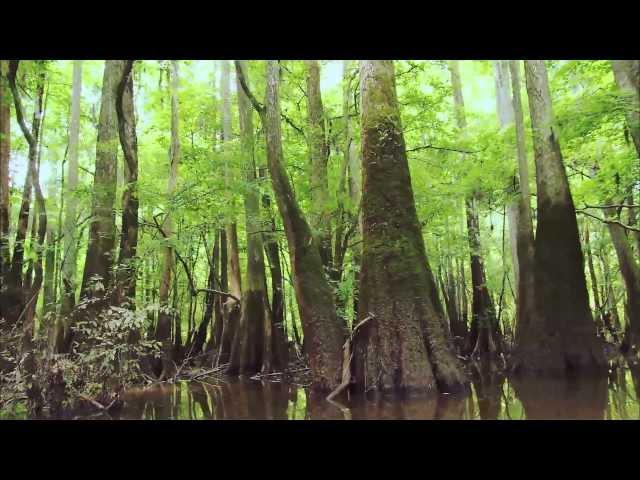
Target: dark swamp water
x,y
614,397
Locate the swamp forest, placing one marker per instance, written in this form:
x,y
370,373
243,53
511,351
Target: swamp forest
x,y
320,239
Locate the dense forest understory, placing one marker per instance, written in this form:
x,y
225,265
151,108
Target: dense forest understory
x,y
353,228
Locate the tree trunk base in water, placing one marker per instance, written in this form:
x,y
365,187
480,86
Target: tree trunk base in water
x,y
549,357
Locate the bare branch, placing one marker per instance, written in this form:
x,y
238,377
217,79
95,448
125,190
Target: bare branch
x,y
243,83
613,222
424,147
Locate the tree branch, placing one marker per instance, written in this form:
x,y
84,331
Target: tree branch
x,y
243,83
11,76
613,222
192,289
424,147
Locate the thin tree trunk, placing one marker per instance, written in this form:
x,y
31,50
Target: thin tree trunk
x,y
525,240
70,252
594,281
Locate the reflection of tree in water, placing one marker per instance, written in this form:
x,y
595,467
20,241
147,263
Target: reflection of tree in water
x,y
380,406
487,381
583,398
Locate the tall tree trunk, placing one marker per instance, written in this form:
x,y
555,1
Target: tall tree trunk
x,y
323,331
163,330
484,334
70,241
129,143
403,345
630,270
627,77
235,281
561,336
99,259
524,241
355,184
505,111
320,215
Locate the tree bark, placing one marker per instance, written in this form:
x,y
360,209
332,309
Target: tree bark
x,y
561,337
403,345
323,331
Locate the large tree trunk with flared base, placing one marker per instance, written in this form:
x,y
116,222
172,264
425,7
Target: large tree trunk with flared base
x,y
324,332
561,336
402,345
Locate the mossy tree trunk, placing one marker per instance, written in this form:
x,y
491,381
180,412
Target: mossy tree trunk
x,y
403,345
561,336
